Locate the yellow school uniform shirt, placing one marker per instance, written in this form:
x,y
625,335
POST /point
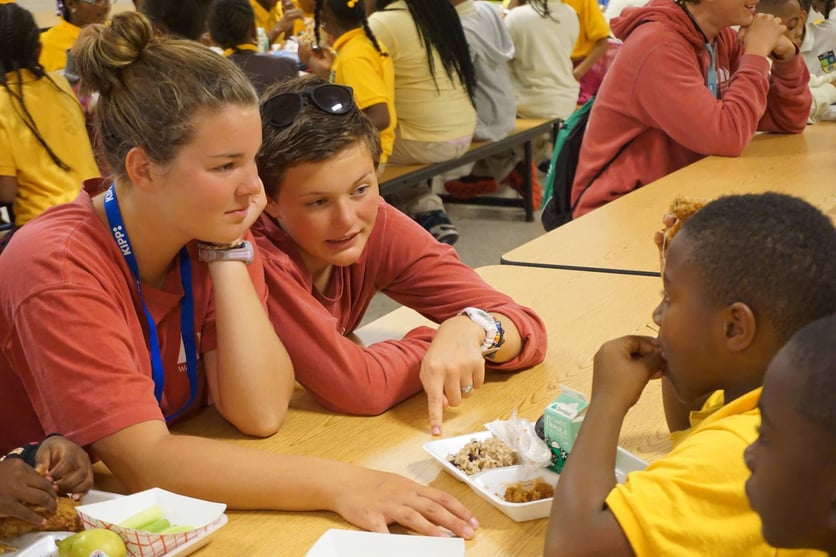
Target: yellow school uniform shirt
x,y
60,121
7,1
371,76
54,45
268,19
593,26
692,502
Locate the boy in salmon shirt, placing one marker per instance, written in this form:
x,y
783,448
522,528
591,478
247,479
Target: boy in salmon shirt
x,y
743,274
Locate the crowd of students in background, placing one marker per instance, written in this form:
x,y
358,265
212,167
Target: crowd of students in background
x,y
192,159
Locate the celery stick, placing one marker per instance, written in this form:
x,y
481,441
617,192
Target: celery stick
x,y
177,530
143,518
157,526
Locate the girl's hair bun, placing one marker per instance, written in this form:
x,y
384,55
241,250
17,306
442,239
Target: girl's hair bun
x,y
102,51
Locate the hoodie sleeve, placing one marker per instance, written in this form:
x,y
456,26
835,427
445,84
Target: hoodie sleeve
x,y
690,114
789,100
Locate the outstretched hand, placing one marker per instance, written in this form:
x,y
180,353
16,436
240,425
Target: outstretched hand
x,y
372,500
453,367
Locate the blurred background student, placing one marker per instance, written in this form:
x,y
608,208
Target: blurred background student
x,y
75,14
45,152
232,27
434,88
276,19
491,48
361,62
725,91
185,19
816,44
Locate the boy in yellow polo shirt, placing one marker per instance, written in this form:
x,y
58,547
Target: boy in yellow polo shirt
x,y
743,274
793,460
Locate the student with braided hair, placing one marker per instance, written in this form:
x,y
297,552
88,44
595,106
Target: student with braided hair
x,y
361,63
75,14
434,86
232,27
44,149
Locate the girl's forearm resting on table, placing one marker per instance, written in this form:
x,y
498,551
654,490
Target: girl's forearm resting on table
x,y
146,455
251,375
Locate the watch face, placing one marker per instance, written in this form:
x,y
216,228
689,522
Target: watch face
x,y
480,316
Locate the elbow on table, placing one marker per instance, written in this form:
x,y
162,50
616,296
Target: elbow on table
x,y
258,422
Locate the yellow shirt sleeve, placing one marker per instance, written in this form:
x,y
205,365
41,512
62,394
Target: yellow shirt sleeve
x,y
361,75
692,501
593,26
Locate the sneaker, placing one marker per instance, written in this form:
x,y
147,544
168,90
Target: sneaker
x,y
516,181
470,186
438,224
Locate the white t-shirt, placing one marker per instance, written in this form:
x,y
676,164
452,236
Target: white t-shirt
x,y
541,70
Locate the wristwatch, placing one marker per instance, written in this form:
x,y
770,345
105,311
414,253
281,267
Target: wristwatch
x,y
240,251
494,333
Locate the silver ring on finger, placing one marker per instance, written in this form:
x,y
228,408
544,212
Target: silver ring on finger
x,y
467,389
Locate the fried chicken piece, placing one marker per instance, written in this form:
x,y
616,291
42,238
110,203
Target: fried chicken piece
x,y
64,519
683,207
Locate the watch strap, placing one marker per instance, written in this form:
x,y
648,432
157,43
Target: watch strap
x,y
240,251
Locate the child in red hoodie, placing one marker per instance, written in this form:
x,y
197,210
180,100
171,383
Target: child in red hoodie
x,y
686,85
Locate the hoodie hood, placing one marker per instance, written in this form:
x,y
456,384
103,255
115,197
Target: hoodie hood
x,y
666,12
487,32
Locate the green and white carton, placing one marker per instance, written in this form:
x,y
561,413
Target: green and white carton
x,y
561,424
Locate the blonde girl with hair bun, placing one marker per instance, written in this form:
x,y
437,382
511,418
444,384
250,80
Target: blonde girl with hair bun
x,y
137,303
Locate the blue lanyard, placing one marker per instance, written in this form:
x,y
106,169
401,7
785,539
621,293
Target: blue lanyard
x,y
711,81
120,235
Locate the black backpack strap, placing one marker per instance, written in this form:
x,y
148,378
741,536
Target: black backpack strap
x,y
600,171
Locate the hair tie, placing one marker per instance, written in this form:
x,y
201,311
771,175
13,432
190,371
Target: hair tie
x,y
351,3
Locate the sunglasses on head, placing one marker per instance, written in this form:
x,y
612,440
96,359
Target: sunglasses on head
x,y
281,110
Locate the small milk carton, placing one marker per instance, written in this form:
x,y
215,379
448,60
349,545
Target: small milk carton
x,y
561,423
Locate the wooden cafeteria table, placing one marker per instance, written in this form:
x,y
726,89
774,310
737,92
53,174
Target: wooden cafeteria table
x,y
618,237
581,310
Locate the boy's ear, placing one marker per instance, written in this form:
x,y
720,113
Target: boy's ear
x,y
740,327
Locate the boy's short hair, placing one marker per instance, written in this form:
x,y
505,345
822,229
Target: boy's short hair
x,y
313,136
231,22
774,252
813,350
